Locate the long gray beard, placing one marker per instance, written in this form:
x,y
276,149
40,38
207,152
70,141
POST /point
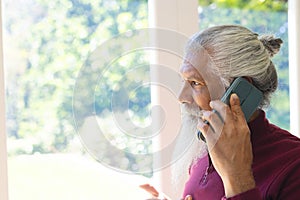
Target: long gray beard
x,y
195,149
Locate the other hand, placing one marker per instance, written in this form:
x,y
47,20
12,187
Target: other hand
x,y
229,145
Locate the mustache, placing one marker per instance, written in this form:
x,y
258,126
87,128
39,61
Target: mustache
x,y
192,110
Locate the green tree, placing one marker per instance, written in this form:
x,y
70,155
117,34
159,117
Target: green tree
x,y
57,38
258,5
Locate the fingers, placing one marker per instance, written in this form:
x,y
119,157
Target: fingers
x,y
208,132
188,197
203,126
226,112
214,120
236,108
150,189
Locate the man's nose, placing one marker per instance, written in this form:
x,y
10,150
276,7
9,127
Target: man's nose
x,y
185,95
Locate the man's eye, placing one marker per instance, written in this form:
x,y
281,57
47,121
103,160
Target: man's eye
x,y
195,83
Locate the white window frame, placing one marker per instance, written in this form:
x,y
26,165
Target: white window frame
x,y
3,149
180,16
294,65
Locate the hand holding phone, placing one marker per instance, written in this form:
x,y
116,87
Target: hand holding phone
x,y
250,98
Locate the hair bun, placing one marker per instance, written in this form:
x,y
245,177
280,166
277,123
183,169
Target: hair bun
x,y
271,43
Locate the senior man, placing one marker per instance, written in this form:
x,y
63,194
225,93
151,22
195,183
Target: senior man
x,y
249,160
245,160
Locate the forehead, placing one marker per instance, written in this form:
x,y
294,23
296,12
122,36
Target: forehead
x,y
195,65
189,71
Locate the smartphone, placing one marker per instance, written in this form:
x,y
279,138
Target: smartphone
x,y
250,98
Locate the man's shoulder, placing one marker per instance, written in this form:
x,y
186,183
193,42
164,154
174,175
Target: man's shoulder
x,y
282,136
277,146
276,156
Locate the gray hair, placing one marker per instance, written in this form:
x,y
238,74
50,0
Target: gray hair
x,y
238,52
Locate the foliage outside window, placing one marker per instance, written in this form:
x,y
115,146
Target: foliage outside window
x,y
45,44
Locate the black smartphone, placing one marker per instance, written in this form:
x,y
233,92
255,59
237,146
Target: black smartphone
x,y
250,98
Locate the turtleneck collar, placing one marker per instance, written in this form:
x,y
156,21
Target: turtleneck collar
x,y
259,125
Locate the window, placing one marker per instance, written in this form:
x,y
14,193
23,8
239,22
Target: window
x,y
46,45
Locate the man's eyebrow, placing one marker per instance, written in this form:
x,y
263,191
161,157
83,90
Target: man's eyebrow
x,y
196,76
192,76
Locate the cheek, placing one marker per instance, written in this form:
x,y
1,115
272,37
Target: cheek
x,y
202,98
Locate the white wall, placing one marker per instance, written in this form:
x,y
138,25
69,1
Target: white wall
x,y
3,150
294,65
180,16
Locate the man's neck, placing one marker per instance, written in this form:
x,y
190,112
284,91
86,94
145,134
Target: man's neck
x,y
254,115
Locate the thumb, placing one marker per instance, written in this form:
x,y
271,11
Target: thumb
x,y
236,108
150,189
188,197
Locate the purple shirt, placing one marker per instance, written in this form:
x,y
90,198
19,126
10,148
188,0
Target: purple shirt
x,y
276,167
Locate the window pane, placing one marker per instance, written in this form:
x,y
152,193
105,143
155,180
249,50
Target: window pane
x,y
46,45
